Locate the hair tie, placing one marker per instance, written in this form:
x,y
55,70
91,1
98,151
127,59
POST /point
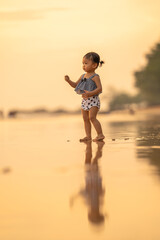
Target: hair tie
x,y
101,62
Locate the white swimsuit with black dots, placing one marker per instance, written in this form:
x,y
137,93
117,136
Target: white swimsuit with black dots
x,y
90,102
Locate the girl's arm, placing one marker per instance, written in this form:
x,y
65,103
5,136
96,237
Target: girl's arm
x,y
98,90
71,83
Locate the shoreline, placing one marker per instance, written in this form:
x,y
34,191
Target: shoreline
x,y
22,114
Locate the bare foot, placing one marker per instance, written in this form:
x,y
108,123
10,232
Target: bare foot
x,y
99,138
85,139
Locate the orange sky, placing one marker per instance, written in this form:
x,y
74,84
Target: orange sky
x,y
41,41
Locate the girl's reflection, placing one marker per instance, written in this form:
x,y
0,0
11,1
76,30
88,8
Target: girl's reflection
x,y
93,192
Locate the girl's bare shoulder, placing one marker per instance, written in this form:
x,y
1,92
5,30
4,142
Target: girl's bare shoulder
x,y
96,78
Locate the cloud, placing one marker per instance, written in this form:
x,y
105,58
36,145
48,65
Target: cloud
x,y
27,14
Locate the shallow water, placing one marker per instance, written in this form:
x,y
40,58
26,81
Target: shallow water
x,y
54,187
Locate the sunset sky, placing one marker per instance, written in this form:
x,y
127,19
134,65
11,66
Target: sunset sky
x,y
43,40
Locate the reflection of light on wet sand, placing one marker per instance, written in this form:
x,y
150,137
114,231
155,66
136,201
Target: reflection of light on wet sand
x,y
46,170
148,147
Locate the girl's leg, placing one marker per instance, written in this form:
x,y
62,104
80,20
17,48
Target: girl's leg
x,y
92,115
87,125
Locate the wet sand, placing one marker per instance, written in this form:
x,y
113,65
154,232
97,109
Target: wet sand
x,y
54,187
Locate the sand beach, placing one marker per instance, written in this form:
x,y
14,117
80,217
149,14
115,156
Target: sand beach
x,y
54,187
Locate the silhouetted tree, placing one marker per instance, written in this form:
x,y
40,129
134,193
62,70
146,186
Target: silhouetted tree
x,y
147,80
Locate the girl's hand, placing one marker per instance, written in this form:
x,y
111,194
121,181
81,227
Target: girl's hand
x,y
86,94
66,77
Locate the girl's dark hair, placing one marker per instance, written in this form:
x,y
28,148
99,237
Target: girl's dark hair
x,y
94,57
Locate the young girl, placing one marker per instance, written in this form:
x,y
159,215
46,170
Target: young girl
x,y
89,85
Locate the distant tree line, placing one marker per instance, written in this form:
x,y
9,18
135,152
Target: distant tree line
x,y
147,81
123,100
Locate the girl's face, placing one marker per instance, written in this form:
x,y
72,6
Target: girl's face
x,y
88,65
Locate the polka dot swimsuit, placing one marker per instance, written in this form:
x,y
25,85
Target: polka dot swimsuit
x,y
93,101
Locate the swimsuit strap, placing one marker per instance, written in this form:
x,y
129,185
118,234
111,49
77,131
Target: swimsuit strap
x,y
90,76
93,75
82,76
